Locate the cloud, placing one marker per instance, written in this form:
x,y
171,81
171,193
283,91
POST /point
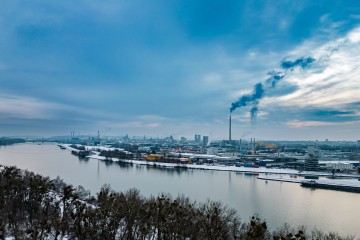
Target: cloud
x,y
330,115
354,36
272,81
152,118
135,124
316,91
331,82
31,108
13,106
310,124
139,123
304,124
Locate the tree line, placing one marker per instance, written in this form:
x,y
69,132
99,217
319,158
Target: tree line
x,y
9,141
37,207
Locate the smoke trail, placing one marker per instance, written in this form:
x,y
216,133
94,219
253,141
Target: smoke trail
x,y
271,82
274,78
257,94
302,62
253,113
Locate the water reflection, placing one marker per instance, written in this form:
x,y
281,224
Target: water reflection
x,y
128,166
83,160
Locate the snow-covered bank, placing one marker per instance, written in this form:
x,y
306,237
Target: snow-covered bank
x,y
95,155
221,168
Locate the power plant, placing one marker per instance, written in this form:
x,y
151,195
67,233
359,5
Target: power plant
x,y
237,144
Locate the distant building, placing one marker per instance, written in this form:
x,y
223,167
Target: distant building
x,y
216,143
215,151
315,152
339,166
197,138
312,160
205,141
311,164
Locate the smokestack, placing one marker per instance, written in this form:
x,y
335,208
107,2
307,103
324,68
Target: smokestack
x,y
230,128
240,145
254,147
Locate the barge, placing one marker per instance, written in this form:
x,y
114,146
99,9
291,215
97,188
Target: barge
x,y
339,187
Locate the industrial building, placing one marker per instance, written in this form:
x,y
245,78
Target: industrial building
x,y
312,160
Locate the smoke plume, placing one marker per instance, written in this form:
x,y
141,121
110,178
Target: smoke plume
x,y
253,113
302,62
271,82
253,98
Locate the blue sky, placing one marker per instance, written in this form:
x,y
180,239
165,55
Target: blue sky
x,y
167,67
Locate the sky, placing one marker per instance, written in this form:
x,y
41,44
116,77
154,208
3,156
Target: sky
x,y
169,67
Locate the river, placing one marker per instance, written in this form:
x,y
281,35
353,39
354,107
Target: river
x,y
277,202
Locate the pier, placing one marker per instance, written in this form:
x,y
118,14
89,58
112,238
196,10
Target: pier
x,y
331,184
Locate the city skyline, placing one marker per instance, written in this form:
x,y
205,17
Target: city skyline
x,y
175,68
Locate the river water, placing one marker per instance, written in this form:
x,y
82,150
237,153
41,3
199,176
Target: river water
x,y
277,202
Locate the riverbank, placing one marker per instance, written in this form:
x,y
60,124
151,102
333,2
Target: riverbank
x,y
333,184
241,169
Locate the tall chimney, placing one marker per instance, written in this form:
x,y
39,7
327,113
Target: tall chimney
x,y
254,147
240,145
230,128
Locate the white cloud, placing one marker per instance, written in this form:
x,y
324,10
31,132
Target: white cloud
x,y
25,107
306,124
135,124
332,82
354,36
152,118
302,124
139,122
212,79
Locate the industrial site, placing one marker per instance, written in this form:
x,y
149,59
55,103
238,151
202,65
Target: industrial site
x,y
325,156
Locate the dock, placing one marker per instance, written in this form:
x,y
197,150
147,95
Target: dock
x,y
277,179
331,184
